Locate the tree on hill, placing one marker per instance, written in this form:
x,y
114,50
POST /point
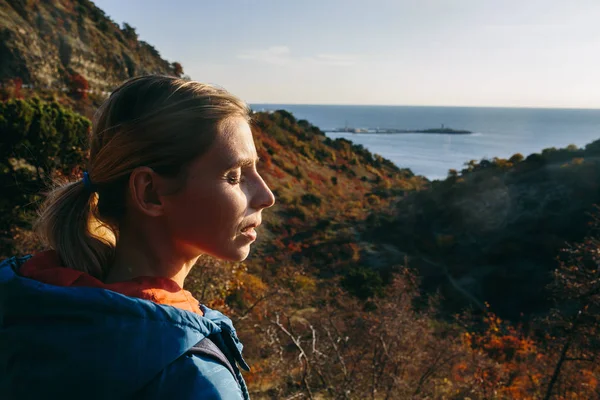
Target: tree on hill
x,y
516,158
575,323
129,32
177,69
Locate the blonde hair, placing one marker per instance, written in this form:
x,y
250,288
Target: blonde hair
x,y
156,121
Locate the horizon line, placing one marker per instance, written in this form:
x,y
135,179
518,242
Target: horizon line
x,y
417,105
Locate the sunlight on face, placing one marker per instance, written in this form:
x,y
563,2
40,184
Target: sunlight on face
x,y
220,206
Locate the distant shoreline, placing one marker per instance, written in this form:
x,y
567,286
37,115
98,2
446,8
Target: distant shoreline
x,y
442,130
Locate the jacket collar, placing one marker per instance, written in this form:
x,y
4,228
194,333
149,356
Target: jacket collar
x,y
46,267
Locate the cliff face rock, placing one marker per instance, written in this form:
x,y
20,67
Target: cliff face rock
x,y
46,42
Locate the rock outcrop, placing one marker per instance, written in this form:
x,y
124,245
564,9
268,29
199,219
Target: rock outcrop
x,y
45,43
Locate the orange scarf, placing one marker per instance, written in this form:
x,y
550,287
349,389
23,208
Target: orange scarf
x,y
46,267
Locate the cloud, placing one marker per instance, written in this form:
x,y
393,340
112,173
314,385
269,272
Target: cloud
x,y
342,60
275,55
282,55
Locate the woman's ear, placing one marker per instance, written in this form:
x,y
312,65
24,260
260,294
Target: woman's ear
x,y
144,189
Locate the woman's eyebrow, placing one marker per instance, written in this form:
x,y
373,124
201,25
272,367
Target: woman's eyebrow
x,y
244,163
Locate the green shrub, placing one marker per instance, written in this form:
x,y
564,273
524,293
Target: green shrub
x,y
363,282
516,158
310,199
37,140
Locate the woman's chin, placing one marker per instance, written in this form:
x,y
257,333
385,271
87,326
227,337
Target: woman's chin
x,y
241,257
237,255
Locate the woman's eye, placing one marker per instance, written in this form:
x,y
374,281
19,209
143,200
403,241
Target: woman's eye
x,y
233,179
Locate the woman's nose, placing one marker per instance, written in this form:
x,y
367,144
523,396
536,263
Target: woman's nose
x,y
263,197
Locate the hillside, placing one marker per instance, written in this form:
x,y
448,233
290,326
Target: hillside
x,y
325,189
335,229
493,231
46,43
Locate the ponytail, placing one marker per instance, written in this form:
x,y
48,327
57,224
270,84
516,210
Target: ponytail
x,y
67,223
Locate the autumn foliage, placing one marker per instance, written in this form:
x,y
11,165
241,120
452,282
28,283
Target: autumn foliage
x,y
326,308
78,86
11,89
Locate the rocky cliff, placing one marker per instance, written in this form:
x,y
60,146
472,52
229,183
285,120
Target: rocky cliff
x,y
45,43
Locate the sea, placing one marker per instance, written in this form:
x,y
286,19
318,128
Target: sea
x,y
497,132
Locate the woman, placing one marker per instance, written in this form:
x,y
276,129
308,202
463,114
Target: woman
x,y
171,176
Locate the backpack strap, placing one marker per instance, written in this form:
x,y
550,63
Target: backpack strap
x,y
208,348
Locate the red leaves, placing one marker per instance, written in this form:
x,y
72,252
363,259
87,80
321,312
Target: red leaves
x,y
78,86
11,89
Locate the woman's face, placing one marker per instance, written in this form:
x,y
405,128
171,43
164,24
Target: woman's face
x,y
219,208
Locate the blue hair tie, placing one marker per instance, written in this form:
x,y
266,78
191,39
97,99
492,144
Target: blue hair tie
x,y
87,182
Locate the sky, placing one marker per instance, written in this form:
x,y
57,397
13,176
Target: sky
x,y
497,53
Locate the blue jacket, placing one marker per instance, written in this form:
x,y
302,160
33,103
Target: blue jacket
x,y
89,343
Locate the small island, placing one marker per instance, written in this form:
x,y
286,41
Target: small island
x,y
442,130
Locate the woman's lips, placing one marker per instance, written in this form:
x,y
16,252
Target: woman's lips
x,y
250,233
